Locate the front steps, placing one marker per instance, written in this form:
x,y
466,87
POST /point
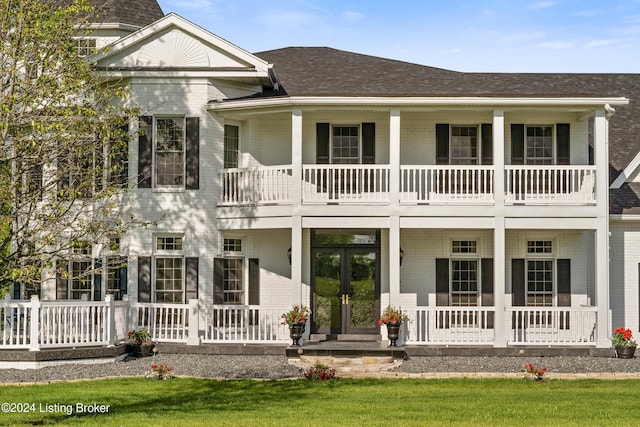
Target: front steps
x,y
349,367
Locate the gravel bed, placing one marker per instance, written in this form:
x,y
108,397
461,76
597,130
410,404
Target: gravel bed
x,y
277,367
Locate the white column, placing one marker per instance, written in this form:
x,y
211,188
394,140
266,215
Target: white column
x,y
499,261
35,324
193,334
296,159
394,157
394,260
601,148
296,261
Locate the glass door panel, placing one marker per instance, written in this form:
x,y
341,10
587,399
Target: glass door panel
x,y
362,292
326,310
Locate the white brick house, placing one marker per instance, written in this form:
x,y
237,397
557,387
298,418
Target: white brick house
x,y
479,203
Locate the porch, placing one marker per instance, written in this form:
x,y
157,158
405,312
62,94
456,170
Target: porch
x,y
40,325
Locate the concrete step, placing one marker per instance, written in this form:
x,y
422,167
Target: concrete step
x,y
349,366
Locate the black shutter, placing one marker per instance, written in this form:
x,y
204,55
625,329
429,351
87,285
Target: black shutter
x,y
218,280
62,282
123,276
442,144
193,153
517,282
97,280
191,277
368,143
254,281
486,146
442,281
16,290
322,143
145,151
563,142
486,265
144,279
564,291
564,282
517,144
63,172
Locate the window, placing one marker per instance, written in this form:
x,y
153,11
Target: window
x,y
463,246
86,46
231,146
464,145
169,151
539,145
346,145
233,281
540,283
539,247
169,270
80,271
232,245
464,282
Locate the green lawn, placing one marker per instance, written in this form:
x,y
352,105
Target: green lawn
x,y
366,402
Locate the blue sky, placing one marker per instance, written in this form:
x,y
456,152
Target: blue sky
x,y
588,36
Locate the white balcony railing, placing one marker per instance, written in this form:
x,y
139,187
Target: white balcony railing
x,y
264,185
244,324
419,184
452,325
345,183
428,184
551,325
550,184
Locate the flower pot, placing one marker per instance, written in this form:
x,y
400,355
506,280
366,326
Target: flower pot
x,y
295,332
625,352
141,350
393,331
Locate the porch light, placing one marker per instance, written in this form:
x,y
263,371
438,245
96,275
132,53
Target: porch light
x,y
289,255
401,256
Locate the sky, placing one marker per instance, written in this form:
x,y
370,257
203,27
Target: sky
x,y
557,36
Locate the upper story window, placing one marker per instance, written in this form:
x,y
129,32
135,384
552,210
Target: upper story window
x,y
464,246
169,152
464,145
231,146
539,145
86,46
345,145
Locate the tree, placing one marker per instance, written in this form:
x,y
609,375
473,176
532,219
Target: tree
x,y
63,136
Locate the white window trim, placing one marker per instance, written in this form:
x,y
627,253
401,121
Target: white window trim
x,y
478,157
554,279
163,253
154,161
331,141
553,142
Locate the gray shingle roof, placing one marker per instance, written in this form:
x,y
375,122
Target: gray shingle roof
x,y
322,71
134,12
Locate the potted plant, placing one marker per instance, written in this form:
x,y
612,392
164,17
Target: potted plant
x,y
624,344
533,373
140,341
393,318
296,318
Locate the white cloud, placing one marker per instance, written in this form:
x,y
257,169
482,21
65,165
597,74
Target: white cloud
x,y
289,19
454,50
541,5
352,16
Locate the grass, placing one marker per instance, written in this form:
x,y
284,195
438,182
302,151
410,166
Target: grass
x,y
370,402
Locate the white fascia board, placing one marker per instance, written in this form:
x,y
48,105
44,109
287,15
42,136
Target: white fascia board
x,y
627,173
177,21
115,26
414,101
248,74
623,218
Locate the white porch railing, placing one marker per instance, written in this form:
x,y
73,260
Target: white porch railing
x,y
244,324
551,325
550,184
165,322
451,325
345,183
16,325
264,185
77,323
428,184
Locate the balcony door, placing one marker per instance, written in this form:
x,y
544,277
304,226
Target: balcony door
x,y
346,291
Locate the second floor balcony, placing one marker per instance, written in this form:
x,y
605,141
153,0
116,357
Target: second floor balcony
x,y
411,185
